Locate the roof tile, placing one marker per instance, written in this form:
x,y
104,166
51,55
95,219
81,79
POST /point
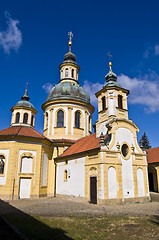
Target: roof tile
x,y
21,131
84,144
153,155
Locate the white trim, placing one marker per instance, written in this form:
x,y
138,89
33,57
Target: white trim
x,y
72,121
53,121
4,177
20,153
66,124
48,130
66,105
29,118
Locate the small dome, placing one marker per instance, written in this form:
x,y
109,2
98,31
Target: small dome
x,y
24,103
68,91
111,78
69,57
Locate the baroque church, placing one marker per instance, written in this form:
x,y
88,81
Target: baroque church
x,y
68,159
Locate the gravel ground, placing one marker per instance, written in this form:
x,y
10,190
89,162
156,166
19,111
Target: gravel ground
x,y
59,206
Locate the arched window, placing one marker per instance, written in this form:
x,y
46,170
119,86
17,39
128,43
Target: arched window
x,y
77,119
46,119
25,118
66,72
60,118
72,73
32,120
89,122
103,103
2,163
17,118
65,175
120,101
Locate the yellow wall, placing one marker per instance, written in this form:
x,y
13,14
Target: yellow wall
x,y
53,132
11,189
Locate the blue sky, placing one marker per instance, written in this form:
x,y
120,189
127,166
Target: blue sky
x,y
33,41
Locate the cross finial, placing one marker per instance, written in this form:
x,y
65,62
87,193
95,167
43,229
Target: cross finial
x,y
26,85
26,90
70,34
110,56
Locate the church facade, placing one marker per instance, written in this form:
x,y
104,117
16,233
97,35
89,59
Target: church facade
x,y
68,159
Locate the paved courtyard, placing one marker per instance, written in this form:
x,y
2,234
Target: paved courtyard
x,y
66,206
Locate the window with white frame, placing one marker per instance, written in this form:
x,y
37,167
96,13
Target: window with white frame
x,y
2,164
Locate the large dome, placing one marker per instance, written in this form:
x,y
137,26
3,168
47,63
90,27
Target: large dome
x,y
68,91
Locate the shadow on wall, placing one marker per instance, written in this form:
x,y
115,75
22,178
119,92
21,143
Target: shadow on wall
x,y
28,225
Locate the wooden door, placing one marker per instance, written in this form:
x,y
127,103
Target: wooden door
x,y
93,190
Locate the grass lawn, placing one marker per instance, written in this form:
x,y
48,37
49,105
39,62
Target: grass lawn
x,y
87,228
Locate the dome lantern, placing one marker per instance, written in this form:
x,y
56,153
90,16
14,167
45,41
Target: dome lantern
x,y
69,69
23,113
111,78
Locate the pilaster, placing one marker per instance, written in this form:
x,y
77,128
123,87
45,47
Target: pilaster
x,y
70,123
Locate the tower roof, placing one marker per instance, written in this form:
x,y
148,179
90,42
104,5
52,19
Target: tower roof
x,y
111,78
69,57
25,101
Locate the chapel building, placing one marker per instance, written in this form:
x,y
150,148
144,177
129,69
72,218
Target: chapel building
x,y
68,159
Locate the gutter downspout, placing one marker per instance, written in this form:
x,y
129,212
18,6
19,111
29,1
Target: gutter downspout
x,y
13,189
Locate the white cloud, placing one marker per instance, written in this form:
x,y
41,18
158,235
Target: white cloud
x,y
92,88
151,51
47,87
156,49
144,90
11,39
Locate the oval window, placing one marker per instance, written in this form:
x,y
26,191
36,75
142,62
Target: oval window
x,y
125,150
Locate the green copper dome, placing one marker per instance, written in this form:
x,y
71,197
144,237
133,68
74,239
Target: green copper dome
x,y
69,57
68,91
111,78
24,104
25,101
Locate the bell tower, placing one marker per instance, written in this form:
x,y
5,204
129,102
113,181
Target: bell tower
x,y
112,102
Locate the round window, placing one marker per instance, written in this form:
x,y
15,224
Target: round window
x,y
125,150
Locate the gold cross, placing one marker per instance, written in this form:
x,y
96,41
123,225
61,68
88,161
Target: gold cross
x,y
70,34
26,85
110,56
